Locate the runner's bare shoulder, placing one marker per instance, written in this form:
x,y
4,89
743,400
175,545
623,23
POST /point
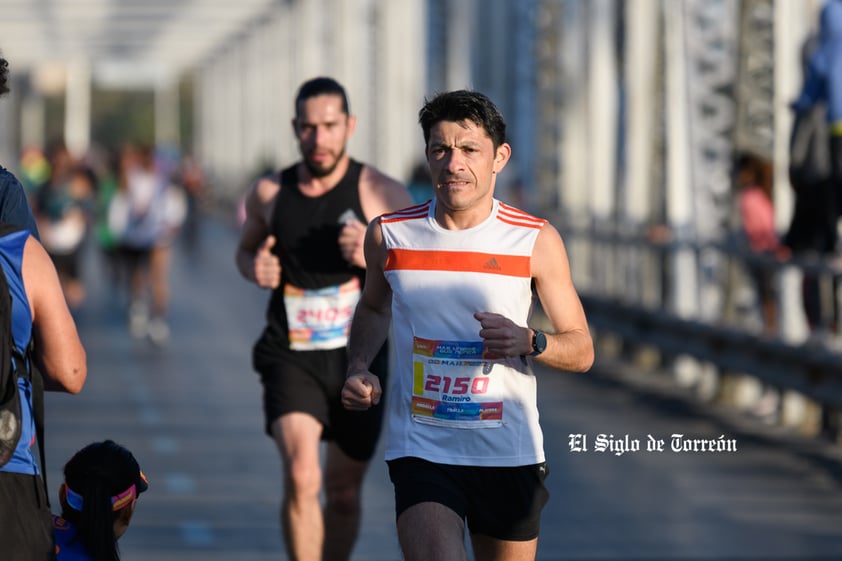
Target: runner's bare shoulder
x,y
261,200
266,188
380,193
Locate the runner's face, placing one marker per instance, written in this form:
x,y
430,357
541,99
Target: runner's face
x,y
322,129
463,163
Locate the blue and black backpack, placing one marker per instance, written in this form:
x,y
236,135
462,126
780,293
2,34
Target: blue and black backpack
x,y
13,365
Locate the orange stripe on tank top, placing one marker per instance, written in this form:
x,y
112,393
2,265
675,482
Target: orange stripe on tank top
x,y
458,261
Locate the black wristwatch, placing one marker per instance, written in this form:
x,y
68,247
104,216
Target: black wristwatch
x,y
539,342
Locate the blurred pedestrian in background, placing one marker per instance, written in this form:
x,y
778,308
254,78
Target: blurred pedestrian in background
x,y
753,180
192,178
815,166
419,185
64,207
144,216
106,239
34,169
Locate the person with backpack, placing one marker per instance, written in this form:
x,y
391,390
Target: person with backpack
x,y
43,334
823,82
815,161
37,326
102,483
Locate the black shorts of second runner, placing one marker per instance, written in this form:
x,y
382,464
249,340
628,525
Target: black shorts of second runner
x,y
503,503
311,382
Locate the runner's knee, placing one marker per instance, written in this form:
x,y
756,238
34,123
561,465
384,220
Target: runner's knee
x,y
344,498
303,478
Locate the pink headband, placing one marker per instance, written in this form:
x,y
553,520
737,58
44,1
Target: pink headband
x,y
118,502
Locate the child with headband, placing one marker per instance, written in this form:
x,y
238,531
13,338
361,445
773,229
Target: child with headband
x,y
101,484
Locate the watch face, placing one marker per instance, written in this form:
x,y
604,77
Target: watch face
x,y
539,342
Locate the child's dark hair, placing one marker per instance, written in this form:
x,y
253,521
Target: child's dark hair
x,y
101,480
752,169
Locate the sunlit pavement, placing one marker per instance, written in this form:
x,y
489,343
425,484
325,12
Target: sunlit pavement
x,y
191,413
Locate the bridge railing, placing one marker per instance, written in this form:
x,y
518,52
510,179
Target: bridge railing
x,y
649,288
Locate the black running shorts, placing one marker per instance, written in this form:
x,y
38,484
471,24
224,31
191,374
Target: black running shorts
x,y
503,503
311,382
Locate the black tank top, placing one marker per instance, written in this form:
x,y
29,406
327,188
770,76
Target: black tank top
x,y
307,232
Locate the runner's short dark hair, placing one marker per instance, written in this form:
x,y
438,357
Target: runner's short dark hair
x,y
321,86
463,105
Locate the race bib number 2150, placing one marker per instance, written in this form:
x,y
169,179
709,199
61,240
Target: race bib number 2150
x,y
453,385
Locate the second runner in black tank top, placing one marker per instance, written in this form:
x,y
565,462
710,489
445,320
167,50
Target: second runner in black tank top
x,y
309,308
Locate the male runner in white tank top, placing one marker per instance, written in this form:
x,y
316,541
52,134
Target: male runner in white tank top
x,y
453,277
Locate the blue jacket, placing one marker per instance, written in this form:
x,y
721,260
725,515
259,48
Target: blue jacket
x,y
67,548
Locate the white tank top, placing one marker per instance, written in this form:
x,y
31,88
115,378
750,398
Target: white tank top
x,y
448,402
